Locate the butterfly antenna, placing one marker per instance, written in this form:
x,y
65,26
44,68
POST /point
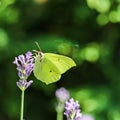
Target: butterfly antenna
x,y
38,45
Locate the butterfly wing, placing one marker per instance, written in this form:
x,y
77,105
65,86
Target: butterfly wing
x,y
61,62
46,71
51,66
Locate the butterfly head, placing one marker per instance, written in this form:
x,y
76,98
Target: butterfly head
x,y
39,55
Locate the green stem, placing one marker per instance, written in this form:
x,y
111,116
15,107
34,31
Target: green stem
x,y
60,109
60,115
22,105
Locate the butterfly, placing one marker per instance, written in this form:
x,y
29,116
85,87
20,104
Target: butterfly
x,y
49,67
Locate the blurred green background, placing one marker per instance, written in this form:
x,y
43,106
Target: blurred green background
x,y
88,31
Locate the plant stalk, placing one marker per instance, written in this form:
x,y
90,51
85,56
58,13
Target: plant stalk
x,y
60,109
22,105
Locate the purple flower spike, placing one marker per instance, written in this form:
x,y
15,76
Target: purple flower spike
x,y
23,84
72,110
62,94
87,117
24,65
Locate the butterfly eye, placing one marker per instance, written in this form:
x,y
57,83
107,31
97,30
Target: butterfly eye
x,y
41,55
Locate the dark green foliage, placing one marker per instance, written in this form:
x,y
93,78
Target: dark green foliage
x,y
87,32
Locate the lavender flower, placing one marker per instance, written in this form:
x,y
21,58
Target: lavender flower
x,y
87,117
23,84
62,94
72,110
24,65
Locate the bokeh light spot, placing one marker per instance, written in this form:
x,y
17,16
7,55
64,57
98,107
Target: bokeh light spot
x,y
101,6
3,39
91,52
102,19
113,16
64,48
40,1
90,105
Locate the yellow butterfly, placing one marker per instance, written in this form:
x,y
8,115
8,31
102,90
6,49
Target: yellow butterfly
x,y
48,67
